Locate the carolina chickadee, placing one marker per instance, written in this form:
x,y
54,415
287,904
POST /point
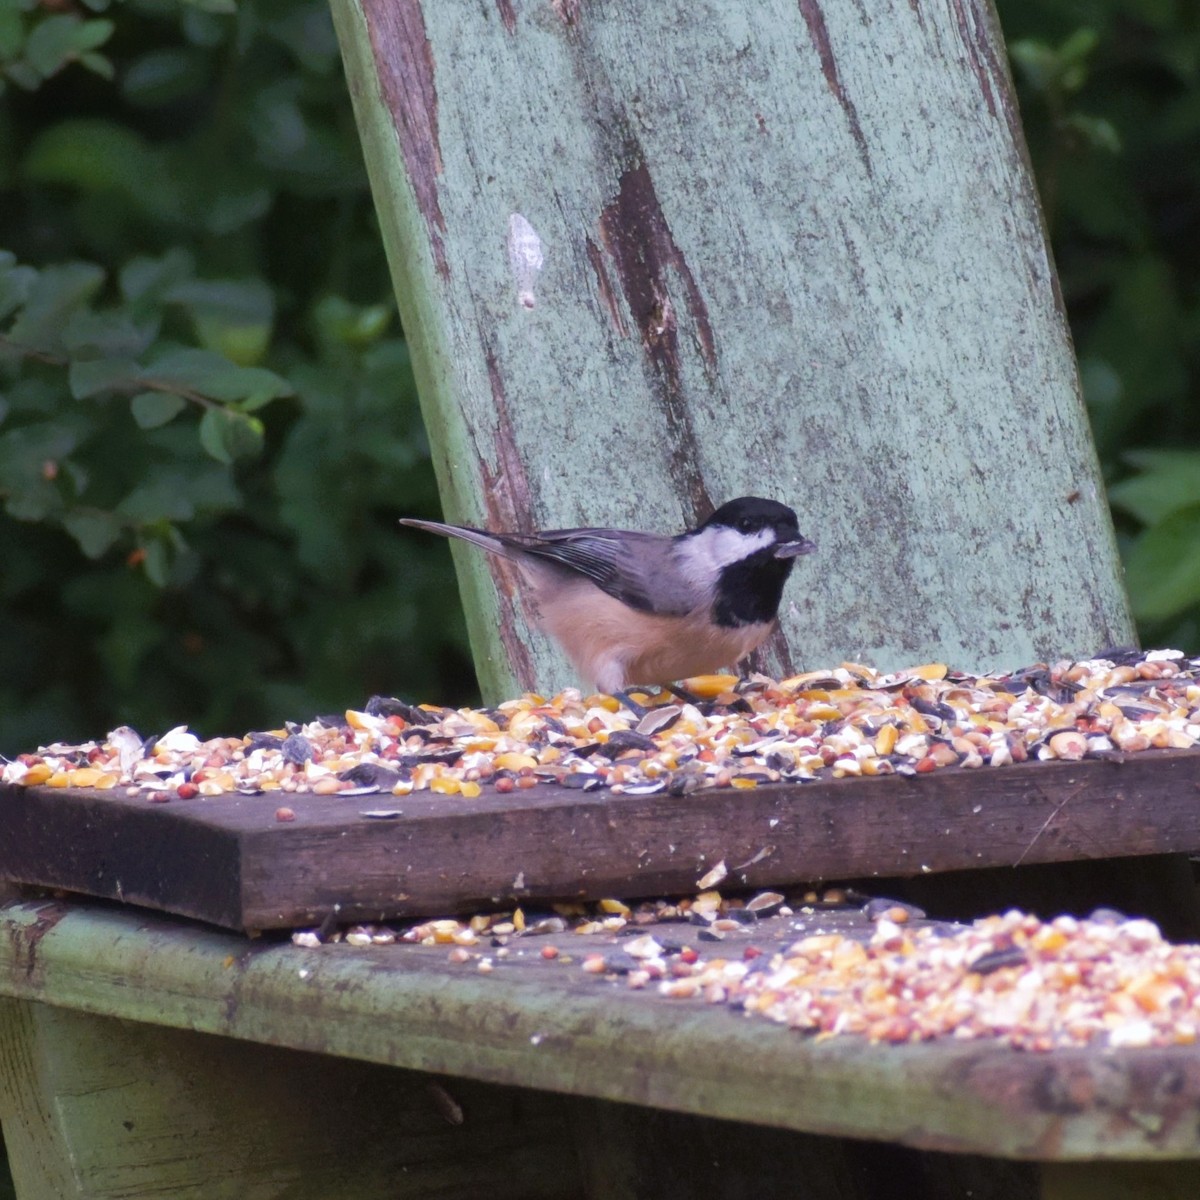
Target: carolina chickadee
x,y
639,608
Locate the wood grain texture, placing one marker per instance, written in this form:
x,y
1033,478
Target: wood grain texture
x,y
228,861
787,251
565,1031
101,1109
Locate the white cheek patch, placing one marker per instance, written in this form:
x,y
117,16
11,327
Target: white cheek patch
x,y
703,556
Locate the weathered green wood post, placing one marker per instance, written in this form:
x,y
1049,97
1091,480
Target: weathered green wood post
x,y
651,257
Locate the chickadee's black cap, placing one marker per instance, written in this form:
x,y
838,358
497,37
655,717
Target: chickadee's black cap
x,y
748,513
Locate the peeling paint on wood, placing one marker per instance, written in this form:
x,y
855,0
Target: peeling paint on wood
x,y
508,501
605,287
734,305
404,60
818,31
639,242
508,14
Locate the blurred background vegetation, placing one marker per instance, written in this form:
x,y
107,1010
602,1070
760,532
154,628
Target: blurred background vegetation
x,y
207,419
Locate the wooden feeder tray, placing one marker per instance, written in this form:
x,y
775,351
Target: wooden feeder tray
x,y
228,861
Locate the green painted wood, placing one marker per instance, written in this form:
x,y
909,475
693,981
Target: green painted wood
x,y
785,249
564,1031
103,1109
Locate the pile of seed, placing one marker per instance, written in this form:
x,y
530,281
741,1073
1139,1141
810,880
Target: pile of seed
x,y
880,972
851,721
1037,985
714,915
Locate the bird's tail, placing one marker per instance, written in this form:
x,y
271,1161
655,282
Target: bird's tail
x,y
476,537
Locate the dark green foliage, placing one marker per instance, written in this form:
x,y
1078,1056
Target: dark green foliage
x,y
208,423
207,419
1110,95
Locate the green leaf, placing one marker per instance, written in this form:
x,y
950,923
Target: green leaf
x,y
157,562
179,493
160,499
94,531
36,501
16,284
232,210
51,42
351,324
105,334
98,64
1163,567
97,155
1170,480
215,376
1095,131
54,295
152,409
12,31
164,76
90,35
1036,62
25,450
92,154
57,40
94,376
230,435
231,316
1079,45
253,402
148,280
23,75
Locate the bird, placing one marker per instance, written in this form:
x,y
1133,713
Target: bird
x,y
632,608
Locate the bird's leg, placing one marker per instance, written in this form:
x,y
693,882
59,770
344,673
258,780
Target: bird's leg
x,y
708,707
681,693
638,710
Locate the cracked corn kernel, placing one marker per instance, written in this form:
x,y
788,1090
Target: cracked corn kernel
x,y
824,724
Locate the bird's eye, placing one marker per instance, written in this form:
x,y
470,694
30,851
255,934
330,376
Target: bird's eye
x,y
746,525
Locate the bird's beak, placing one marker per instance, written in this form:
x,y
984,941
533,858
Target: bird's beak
x,y
795,549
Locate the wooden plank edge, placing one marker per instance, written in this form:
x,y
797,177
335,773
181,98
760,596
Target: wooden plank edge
x,y
84,842
227,859
584,1037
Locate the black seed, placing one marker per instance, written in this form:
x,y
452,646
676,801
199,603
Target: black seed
x,y
997,960
582,781
372,775
620,963
621,740
296,748
934,708
389,706
449,757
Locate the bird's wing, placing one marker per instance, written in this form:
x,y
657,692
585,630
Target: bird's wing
x,y
634,568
